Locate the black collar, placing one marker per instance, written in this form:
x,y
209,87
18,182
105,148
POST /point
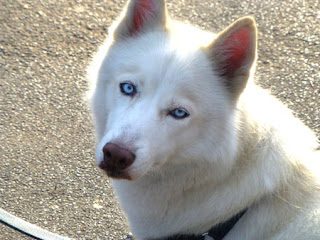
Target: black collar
x,y
217,232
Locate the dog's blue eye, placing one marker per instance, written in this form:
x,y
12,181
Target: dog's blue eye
x,y
128,89
179,113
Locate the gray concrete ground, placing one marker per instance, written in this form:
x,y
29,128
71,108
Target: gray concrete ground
x,y
47,170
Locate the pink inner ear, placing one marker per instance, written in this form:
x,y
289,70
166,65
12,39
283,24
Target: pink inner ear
x,y
142,10
236,47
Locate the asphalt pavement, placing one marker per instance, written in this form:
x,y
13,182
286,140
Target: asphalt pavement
x,y
47,169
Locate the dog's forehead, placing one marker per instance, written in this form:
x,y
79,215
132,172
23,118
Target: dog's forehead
x,y
159,59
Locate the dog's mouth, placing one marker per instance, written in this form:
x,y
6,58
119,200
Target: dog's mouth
x,y
113,172
119,175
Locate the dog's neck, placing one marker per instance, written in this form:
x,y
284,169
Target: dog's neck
x,y
175,201
217,232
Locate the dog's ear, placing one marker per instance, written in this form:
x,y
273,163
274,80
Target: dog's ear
x,y
140,16
233,53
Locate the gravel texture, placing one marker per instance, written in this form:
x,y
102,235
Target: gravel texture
x,y
47,170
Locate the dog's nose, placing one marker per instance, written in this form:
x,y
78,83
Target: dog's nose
x,y
115,160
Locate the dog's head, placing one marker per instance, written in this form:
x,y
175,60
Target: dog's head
x,y
165,93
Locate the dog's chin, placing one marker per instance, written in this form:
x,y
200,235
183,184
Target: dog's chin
x,y
119,175
114,173
129,175
134,173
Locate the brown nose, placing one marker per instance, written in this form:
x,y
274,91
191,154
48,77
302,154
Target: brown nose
x,y
115,160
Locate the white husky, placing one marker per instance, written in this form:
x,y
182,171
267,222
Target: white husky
x,y
188,138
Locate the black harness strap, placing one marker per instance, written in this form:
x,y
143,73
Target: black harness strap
x,y
220,231
217,232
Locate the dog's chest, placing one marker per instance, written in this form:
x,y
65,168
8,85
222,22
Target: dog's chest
x,y
158,207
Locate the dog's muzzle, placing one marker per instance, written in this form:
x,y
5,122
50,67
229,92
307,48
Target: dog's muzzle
x,y
116,160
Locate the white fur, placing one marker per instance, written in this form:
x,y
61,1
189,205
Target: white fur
x,y
193,173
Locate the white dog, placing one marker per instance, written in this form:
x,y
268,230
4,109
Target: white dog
x,y
192,145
